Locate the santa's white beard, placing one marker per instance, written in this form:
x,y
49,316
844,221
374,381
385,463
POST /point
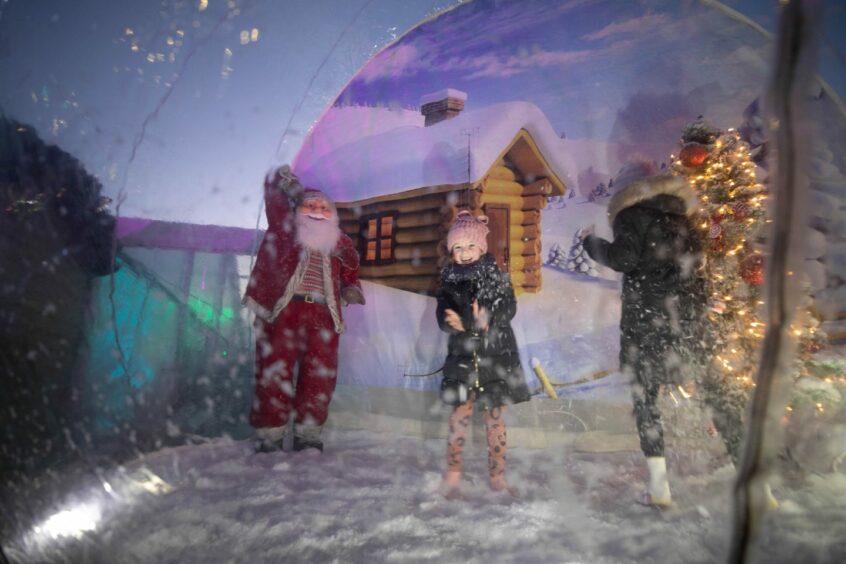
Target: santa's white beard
x,y
318,234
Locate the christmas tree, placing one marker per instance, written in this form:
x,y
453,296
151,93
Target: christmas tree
x,y
731,217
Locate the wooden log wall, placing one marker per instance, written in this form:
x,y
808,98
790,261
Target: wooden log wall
x,y
421,228
503,186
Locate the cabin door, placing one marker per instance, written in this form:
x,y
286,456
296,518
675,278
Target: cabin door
x,y
498,217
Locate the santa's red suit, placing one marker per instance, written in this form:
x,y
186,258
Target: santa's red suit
x,y
292,330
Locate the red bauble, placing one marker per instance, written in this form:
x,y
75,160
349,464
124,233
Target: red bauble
x,y
811,346
718,244
752,269
693,154
715,231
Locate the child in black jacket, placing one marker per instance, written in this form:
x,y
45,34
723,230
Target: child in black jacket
x,y
657,249
475,306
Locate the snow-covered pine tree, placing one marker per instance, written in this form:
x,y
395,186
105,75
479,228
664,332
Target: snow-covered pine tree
x,y
599,191
556,257
577,260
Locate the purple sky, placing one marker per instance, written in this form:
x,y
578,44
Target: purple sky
x,y
593,67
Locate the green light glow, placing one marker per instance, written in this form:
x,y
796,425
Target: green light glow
x,y
207,314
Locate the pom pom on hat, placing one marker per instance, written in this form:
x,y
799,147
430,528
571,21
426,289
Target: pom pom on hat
x,y
466,227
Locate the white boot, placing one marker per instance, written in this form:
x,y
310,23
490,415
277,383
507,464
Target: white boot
x,y
659,487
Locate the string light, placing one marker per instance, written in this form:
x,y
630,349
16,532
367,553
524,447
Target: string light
x,y
727,177
730,216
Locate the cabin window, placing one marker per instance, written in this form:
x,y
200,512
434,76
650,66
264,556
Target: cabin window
x,y
378,238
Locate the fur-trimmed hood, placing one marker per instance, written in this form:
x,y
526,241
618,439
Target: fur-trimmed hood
x,y
651,187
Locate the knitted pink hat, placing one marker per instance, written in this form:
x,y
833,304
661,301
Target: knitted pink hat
x,y
469,228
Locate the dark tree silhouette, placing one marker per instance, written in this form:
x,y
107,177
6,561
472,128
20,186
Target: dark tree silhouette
x,y
55,236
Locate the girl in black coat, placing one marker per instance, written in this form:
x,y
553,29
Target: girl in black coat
x,y
475,306
664,299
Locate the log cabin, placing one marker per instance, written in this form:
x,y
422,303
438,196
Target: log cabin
x,y
398,191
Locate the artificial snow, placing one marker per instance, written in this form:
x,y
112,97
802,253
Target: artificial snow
x,y
374,498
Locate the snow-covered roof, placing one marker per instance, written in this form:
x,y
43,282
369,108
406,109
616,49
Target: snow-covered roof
x,y
454,151
347,124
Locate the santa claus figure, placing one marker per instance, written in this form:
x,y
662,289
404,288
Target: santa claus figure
x,y
306,268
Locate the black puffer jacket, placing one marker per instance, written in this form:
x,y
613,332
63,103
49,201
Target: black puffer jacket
x,y
485,361
659,252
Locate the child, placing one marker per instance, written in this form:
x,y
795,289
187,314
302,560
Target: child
x,y
656,248
475,306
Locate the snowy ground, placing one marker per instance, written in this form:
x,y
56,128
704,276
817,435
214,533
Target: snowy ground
x,y
373,498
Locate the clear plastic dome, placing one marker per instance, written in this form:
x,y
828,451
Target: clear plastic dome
x,y
230,235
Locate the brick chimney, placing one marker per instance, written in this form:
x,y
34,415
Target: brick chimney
x,y
441,105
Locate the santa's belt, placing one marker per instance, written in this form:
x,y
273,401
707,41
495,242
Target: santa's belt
x,y
309,299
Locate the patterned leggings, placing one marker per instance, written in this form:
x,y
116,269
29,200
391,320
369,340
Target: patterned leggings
x,y
459,421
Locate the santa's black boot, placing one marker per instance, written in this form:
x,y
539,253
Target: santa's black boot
x,y
307,436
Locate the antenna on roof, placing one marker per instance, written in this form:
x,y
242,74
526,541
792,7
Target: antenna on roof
x,y
468,132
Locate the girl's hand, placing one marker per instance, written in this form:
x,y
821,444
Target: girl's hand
x,y
481,316
453,320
